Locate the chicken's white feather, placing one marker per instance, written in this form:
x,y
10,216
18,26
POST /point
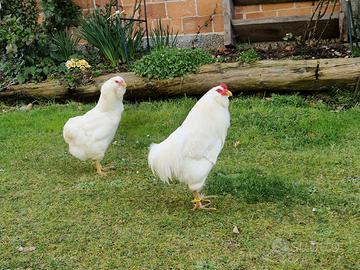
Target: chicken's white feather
x,y
191,151
90,135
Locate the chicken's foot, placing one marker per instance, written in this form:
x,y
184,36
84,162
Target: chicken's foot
x,y
198,199
99,168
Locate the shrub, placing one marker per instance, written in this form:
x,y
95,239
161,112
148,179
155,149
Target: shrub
x,y
171,62
118,40
25,46
60,14
355,52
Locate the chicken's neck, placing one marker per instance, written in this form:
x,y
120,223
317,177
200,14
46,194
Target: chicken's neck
x,y
109,105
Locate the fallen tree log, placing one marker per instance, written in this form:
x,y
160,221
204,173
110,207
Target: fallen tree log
x,y
268,75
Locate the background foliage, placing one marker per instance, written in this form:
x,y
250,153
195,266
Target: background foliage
x,y
117,40
25,45
60,14
171,62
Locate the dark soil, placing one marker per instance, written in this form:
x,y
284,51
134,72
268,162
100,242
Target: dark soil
x,y
276,51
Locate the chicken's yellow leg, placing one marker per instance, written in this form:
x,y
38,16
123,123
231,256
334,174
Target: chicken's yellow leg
x,y
197,202
99,168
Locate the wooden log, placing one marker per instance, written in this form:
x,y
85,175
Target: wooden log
x,y
269,75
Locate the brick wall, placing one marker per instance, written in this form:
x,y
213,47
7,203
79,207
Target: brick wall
x,y
263,11
185,16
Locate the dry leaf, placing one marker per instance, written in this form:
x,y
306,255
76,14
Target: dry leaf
x,y
236,144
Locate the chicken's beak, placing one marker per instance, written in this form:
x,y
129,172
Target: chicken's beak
x,y
124,84
228,93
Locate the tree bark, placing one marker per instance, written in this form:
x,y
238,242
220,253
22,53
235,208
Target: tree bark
x,y
268,75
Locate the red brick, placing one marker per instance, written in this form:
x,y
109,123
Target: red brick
x,y
266,7
238,16
156,10
260,15
181,9
174,24
295,12
192,24
329,9
305,4
245,9
207,7
127,2
128,10
81,3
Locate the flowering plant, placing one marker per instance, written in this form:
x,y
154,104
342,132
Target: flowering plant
x,y
82,64
77,72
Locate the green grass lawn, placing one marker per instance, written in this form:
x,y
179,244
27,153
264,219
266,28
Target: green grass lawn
x,y
288,178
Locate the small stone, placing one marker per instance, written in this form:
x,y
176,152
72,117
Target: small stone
x,y
236,230
26,108
314,209
26,249
289,48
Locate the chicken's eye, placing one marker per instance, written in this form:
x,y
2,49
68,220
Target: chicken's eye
x,y
220,91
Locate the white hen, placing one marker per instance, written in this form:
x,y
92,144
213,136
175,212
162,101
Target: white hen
x,y
90,135
190,152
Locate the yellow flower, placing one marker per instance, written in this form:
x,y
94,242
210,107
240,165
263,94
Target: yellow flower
x,y
69,64
82,64
73,63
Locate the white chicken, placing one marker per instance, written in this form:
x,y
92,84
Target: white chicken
x,y
190,152
90,135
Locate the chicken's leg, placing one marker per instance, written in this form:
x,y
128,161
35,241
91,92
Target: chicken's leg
x,y
99,168
197,202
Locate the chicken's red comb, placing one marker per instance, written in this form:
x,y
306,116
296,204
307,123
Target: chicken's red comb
x,y
223,85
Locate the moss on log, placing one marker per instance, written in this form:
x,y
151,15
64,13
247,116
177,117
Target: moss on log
x,y
269,75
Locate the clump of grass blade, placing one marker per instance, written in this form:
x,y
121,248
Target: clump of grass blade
x,y
163,37
117,39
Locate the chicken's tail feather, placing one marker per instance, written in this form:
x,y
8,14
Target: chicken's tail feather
x,y
161,162
68,136
70,132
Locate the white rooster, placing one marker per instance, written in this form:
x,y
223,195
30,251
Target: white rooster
x,y
190,152
90,135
